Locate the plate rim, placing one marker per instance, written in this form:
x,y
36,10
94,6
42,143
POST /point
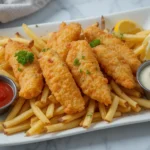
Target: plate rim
x,y
84,130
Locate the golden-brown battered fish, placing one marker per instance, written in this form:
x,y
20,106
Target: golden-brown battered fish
x,y
29,76
66,34
86,71
115,66
93,32
61,82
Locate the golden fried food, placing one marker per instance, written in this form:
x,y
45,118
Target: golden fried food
x,y
114,66
61,82
85,69
66,33
93,32
29,76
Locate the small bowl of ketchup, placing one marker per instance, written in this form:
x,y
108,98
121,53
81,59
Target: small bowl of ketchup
x,y
8,93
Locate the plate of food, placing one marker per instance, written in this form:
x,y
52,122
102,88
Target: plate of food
x,y
74,77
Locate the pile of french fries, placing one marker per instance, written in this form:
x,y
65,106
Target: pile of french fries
x,y
44,114
139,43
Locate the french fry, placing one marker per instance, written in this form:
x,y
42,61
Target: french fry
x,y
137,109
111,112
52,99
69,118
131,92
36,128
41,105
37,111
25,107
45,93
18,128
63,126
59,111
102,110
130,37
144,32
50,110
15,110
119,92
142,102
34,119
89,115
19,119
102,23
1,126
124,110
142,48
117,114
3,42
5,73
35,51
21,40
40,43
122,102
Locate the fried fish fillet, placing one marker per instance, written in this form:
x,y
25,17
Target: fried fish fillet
x,y
86,71
93,32
65,34
61,82
115,66
29,76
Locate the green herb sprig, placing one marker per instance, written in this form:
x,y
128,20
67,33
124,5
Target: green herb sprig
x,y
95,42
24,57
76,62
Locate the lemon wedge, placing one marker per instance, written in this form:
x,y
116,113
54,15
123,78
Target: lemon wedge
x,y
127,26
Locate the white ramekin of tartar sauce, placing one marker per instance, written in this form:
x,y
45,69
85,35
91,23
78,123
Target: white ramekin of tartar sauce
x,y
143,77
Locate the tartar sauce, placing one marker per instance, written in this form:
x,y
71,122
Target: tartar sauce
x,y
145,77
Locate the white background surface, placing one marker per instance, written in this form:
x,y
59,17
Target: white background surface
x,y
121,138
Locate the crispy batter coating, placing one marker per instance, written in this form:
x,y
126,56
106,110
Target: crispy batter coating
x,y
61,82
86,71
115,66
60,39
115,44
29,76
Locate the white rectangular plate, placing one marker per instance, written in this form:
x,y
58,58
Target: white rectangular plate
x,y
140,16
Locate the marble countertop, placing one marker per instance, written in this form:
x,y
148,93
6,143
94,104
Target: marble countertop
x,y
129,137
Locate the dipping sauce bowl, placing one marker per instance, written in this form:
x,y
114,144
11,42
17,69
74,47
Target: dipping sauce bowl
x,y
143,78
8,93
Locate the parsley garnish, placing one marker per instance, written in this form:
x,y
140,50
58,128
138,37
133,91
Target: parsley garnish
x,y
88,72
19,69
45,49
36,26
76,62
81,70
94,43
83,57
24,57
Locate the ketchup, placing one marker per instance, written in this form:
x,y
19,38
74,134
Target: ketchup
x,y
6,93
